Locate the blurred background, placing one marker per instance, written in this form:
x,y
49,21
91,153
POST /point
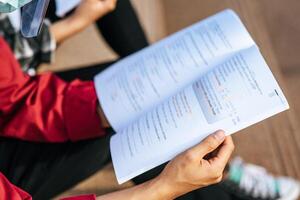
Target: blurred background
x,y
274,25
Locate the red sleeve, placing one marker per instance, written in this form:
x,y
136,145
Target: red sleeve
x,y
44,108
81,197
11,192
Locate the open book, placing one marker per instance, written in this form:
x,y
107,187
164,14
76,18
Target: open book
x,y
171,95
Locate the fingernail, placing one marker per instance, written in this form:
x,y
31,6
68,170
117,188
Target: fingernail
x,y
219,135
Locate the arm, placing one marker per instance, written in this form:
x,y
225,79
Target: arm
x,y
45,108
86,13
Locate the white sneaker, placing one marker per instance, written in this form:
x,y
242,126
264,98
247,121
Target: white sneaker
x,y
248,181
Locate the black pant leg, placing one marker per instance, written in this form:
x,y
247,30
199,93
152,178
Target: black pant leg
x,y
51,12
85,73
46,170
80,161
122,29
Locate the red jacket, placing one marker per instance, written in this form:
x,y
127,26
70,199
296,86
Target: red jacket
x,y
43,108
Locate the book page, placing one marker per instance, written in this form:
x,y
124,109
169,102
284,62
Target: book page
x,y
63,6
233,95
145,79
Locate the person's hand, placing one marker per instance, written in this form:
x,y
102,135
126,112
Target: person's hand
x,y
200,166
91,10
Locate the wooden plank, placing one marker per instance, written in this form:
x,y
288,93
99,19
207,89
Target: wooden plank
x,y
151,14
283,22
88,44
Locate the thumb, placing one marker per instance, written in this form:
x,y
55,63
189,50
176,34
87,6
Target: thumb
x,y
209,144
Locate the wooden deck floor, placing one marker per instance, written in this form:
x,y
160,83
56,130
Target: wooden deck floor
x,y
275,26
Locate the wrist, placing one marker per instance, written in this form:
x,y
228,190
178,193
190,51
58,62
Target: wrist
x,y
170,189
162,189
65,28
78,23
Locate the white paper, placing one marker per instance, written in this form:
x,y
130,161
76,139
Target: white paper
x,y
64,6
15,19
221,84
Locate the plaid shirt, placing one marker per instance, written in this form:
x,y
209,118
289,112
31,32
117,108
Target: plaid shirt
x,y
30,52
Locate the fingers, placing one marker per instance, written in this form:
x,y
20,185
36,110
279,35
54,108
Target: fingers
x,y
209,144
223,154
